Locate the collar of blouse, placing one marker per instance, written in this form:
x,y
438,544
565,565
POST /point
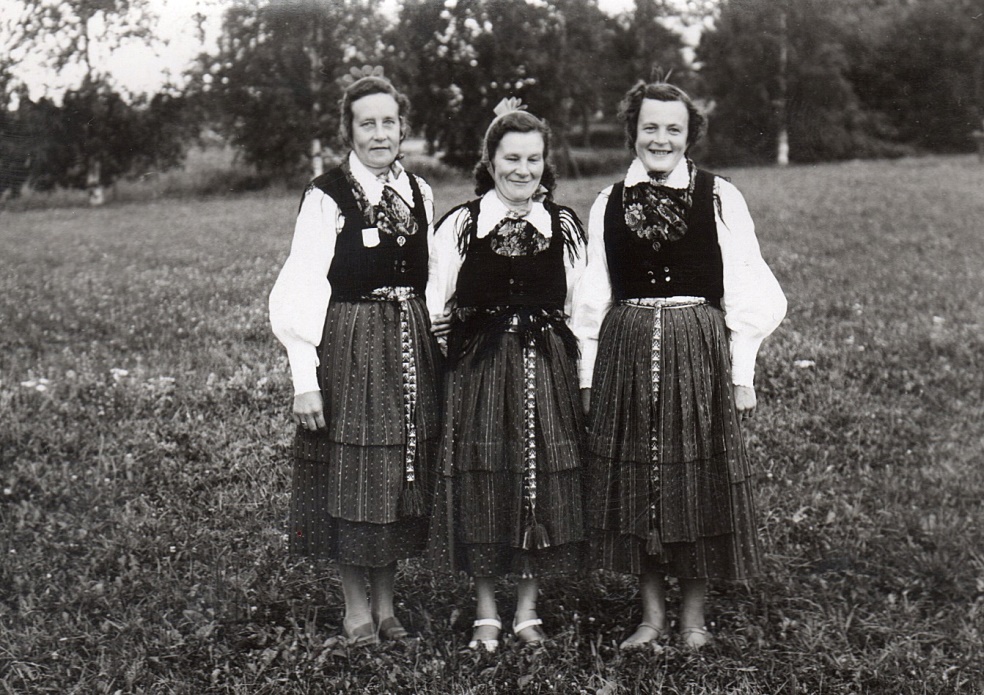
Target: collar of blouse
x,y
399,181
678,178
491,211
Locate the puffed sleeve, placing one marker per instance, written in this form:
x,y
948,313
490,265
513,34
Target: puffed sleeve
x,y
299,299
592,297
428,196
753,302
444,264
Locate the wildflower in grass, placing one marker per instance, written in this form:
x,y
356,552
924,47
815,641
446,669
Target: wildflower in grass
x,y
36,384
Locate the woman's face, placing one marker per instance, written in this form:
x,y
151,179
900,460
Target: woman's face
x,y
376,131
517,166
661,134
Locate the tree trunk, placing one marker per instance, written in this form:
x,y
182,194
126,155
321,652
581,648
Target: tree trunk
x,y
317,159
782,145
93,183
315,85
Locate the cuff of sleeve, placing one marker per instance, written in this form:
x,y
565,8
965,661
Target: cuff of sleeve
x,y
743,361
303,359
589,351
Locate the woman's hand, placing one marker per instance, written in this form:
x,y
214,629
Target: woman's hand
x,y
745,401
309,410
441,325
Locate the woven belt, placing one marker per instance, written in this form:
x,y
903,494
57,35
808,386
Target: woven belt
x,y
663,302
390,294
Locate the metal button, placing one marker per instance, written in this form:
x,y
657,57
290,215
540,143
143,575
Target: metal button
x,y
401,240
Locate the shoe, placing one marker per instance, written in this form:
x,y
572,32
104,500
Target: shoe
x,y
660,634
534,626
391,629
362,635
695,637
490,645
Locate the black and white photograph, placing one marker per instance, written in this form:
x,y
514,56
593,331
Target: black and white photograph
x,y
468,347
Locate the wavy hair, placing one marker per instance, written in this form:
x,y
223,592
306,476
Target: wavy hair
x,y
512,122
364,87
631,104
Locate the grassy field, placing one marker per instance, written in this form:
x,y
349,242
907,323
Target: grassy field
x,y
144,469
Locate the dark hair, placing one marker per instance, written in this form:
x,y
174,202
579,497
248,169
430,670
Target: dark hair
x,y
364,87
631,104
512,122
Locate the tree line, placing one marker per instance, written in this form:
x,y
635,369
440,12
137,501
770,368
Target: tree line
x,y
784,80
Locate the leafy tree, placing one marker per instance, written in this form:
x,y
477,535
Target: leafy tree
x,y
775,66
923,71
460,58
67,31
273,85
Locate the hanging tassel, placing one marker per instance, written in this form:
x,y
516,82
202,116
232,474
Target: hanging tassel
x,y
412,500
654,546
535,537
527,572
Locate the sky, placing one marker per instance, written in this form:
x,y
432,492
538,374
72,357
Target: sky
x,y
137,68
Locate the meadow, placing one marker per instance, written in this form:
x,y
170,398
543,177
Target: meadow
x,y
144,467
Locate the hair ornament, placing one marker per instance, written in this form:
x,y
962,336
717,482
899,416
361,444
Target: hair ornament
x,y
355,74
508,105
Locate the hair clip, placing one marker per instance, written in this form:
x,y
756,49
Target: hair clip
x,y
355,74
508,105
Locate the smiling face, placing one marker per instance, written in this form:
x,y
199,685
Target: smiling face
x,y
661,135
517,166
376,131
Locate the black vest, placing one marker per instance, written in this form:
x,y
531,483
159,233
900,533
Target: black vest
x,y
488,279
690,266
356,270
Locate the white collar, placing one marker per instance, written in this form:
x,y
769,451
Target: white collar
x,y
491,211
399,181
678,178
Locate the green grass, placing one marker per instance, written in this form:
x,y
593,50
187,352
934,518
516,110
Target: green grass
x,y
141,511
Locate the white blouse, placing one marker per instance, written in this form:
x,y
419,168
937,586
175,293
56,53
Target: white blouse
x,y
300,296
446,260
753,302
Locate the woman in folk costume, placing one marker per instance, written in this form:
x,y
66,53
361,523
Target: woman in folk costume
x,y
504,270
348,306
675,267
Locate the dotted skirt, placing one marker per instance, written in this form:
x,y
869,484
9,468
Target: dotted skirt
x,y
670,481
483,517
352,481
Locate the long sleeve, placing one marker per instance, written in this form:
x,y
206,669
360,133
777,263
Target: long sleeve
x,y
443,266
300,296
753,302
592,297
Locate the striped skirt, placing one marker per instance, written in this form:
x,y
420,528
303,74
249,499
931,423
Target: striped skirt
x,y
510,497
362,487
665,458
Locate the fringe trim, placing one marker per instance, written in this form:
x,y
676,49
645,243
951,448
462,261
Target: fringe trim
x,y
481,330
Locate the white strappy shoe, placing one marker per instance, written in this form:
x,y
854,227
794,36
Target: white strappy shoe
x,y
490,645
526,625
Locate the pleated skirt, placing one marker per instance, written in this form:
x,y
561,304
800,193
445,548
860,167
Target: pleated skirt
x,y
482,513
670,481
351,480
